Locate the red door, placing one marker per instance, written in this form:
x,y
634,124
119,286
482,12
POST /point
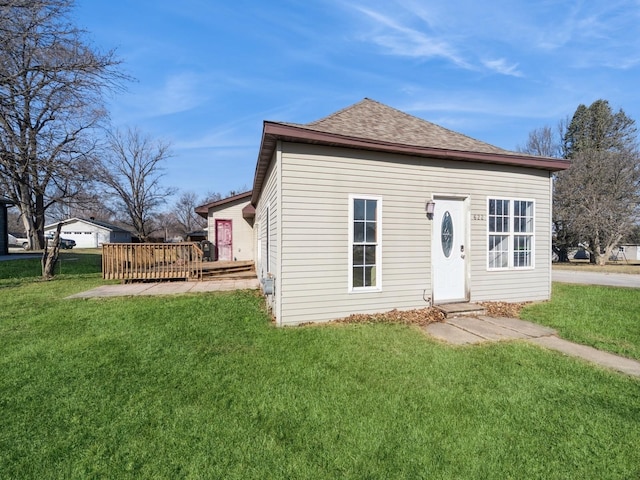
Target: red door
x,y
224,234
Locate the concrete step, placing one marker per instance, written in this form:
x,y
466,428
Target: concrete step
x,y
452,310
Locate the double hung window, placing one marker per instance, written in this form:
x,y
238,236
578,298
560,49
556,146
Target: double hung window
x,y
365,233
510,233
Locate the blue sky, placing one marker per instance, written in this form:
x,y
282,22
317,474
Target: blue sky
x,y
208,72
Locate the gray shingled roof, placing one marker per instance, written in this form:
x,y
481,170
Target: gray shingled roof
x,y
372,120
370,125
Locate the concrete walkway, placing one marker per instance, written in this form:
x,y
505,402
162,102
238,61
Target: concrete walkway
x,y
472,330
168,288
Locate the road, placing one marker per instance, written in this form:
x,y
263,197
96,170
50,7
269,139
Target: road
x,y
597,278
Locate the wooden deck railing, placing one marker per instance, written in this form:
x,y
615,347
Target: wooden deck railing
x,y
151,261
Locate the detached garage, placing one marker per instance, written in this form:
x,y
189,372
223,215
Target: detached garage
x,y
90,233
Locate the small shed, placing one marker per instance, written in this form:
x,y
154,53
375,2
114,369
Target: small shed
x,y
197,236
4,234
230,227
90,233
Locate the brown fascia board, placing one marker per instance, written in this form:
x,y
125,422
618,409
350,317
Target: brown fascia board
x,y
203,210
272,132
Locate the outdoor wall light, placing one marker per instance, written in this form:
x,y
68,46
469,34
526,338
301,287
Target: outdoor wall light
x,y
430,208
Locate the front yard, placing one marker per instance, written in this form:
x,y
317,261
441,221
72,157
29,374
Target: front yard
x,y
203,386
607,318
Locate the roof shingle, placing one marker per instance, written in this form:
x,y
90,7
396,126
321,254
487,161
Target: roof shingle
x,y
372,120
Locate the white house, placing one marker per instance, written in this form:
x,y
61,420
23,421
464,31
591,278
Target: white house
x,y
90,233
230,227
371,209
628,253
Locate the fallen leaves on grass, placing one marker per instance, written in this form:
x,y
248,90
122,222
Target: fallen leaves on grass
x,y
422,317
503,309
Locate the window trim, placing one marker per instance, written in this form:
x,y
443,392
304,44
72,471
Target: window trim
x,y
378,286
511,234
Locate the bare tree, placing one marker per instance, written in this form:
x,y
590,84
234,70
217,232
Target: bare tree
x,y
184,211
88,203
596,200
131,171
211,197
51,85
543,142
51,254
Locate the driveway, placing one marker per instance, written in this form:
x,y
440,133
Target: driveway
x,y
596,278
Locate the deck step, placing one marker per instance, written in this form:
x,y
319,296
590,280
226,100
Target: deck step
x,y
452,310
228,276
228,270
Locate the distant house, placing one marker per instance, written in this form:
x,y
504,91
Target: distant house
x,y
4,233
628,252
90,233
230,227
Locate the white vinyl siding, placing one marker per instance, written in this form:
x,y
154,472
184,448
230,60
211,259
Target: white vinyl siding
x,y
510,230
268,237
365,243
316,182
89,235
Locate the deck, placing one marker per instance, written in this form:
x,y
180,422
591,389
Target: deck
x,y
131,262
151,261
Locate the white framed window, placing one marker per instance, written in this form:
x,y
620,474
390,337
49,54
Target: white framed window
x,y
510,233
365,243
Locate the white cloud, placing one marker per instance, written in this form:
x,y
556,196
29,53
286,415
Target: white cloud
x,y
402,40
503,67
179,93
412,32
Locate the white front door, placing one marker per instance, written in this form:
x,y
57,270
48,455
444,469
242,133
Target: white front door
x,y
449,251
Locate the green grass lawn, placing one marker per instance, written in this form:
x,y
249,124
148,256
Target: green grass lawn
x,y
69,262
607,318
203,386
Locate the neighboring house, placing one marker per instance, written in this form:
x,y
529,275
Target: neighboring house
x,y
628,252
4,233
371,209
90,233
230,227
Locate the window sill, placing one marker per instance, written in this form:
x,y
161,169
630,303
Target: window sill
x,y
510,269
365,289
